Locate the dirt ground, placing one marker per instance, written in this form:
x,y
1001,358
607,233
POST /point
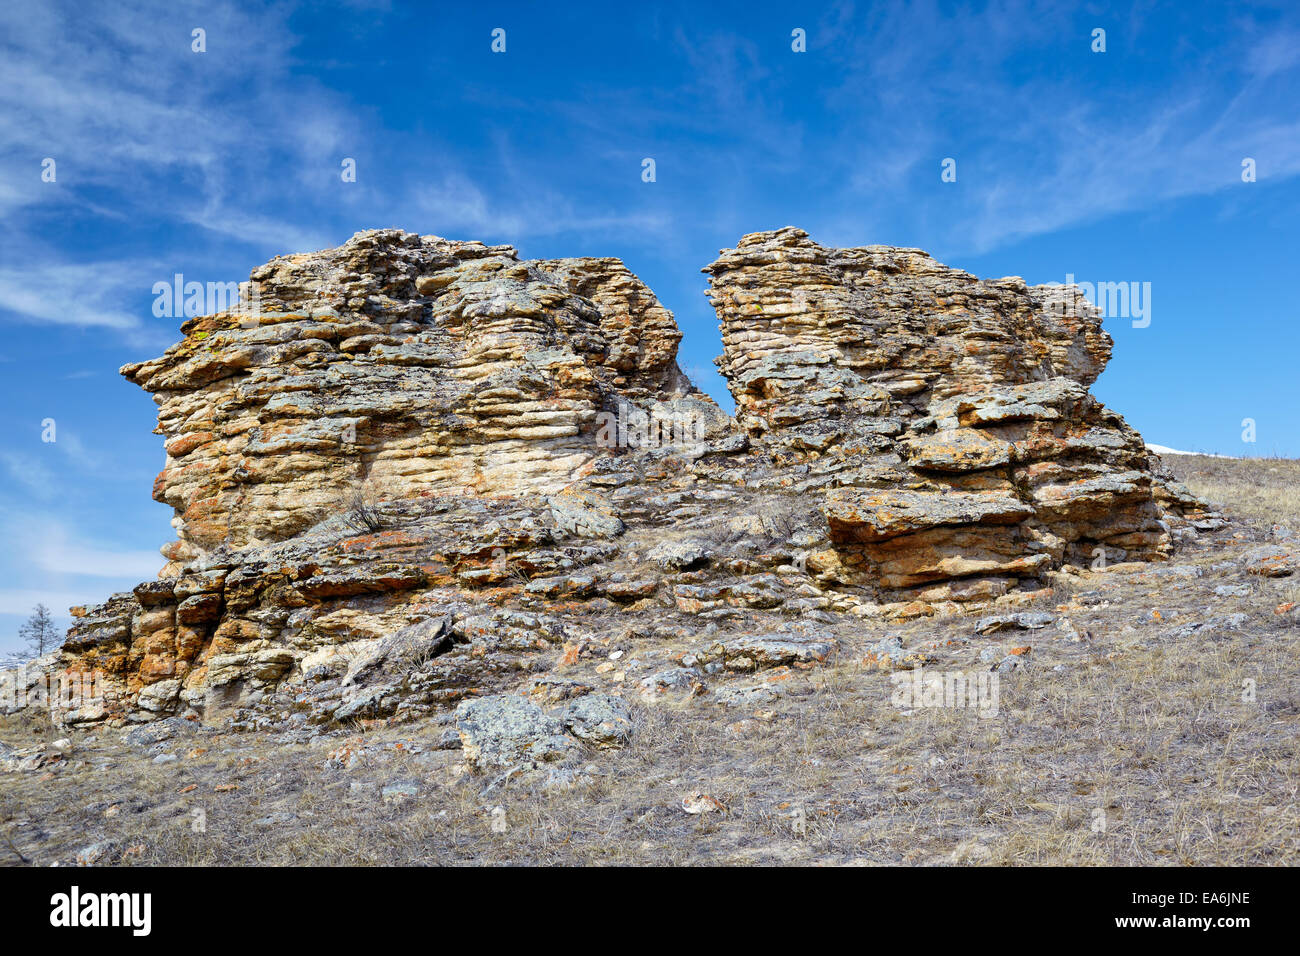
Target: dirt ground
x,y
1156,725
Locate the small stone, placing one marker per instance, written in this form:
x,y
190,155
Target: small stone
x,y
599,719
1025,620
1008,664
277,819
401,792
697,802
679,555
94,854
501,731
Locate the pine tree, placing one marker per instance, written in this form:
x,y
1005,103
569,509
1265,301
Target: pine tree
x,y
39,632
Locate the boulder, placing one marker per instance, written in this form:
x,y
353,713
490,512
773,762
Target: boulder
x,y
500,732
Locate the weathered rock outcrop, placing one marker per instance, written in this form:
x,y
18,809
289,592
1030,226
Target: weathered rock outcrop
x,y
951,414
416,363
908,440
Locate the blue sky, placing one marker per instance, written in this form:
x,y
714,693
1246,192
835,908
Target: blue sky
x,y
1122,166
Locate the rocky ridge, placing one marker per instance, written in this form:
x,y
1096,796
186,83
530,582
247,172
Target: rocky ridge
x,y
396,494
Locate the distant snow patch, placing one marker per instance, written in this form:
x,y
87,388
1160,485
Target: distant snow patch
x,y
1162,450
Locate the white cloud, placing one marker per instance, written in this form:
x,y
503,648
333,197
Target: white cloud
x,y
72,294
60,555
30,473
457,207
1039,156
45,544
284,237
116,96
1103,168
1276,53
83,458
59,466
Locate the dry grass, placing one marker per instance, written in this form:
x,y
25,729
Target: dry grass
x,y
1266,490
1156,745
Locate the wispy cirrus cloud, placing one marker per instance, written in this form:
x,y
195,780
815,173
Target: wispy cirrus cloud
x,y
84,294
457,206
20,602
1034,158
62,568
29,473
142,129
57,552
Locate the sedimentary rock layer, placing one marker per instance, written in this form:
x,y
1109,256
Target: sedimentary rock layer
x,y
966,398
415,363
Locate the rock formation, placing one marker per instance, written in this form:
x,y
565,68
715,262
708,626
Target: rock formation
x,y
418,363
950,415
397,486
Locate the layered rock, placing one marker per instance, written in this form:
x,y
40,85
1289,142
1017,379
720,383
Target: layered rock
x,y
416,363
908,440
951,414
